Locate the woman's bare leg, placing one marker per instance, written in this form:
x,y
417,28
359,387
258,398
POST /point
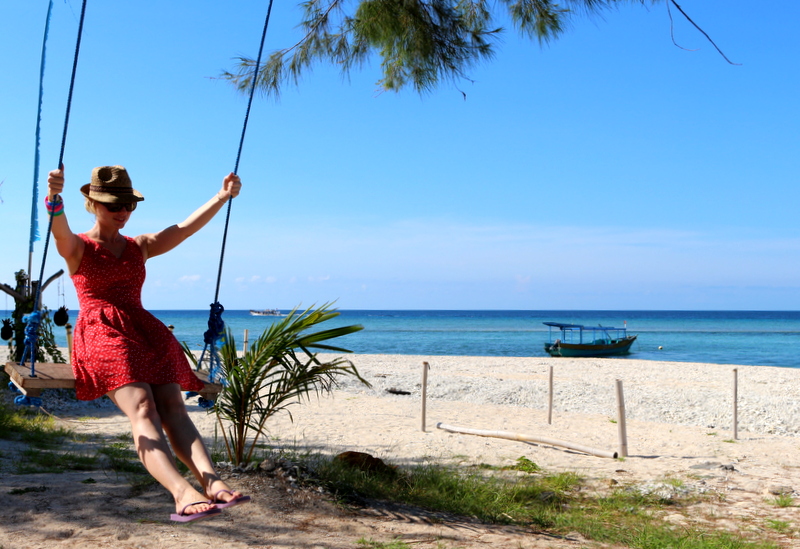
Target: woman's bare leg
x,y
187,442
137,403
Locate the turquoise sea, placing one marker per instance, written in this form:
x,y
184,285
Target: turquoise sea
x,y
769,338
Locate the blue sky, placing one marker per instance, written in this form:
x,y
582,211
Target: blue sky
x,y
607,170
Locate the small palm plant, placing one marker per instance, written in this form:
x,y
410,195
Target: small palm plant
x,y
277,370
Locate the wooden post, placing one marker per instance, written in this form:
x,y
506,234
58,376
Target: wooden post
x,y
425,368
550,398
735,404
622,429
68,327
244,346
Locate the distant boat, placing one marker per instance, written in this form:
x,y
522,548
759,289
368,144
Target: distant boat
x,y
575,340
265,312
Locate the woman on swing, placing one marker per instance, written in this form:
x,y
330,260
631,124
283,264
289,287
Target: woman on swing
x,y
123,351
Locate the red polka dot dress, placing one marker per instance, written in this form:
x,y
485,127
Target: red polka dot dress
x,y
117,341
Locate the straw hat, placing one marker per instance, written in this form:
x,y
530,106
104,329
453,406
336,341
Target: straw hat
x,y
111,184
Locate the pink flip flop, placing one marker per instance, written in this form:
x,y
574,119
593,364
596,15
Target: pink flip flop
x,y
183,517
235,501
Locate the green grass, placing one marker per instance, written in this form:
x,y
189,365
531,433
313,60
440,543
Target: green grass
x,y
371,544
45,442
32,461
48,450
394,544
675,482
491,499
121,458
140,483
29,489
556,503
525,465
783,500
780,526
31,427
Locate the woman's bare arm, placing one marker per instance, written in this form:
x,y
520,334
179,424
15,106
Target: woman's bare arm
x,y
153,244
69,245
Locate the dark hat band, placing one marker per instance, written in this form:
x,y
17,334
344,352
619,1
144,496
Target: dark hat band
x,y
104,189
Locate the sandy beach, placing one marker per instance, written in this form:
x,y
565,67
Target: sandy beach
x,y
679,423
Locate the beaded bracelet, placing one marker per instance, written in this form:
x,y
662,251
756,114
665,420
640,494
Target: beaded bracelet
x,y
54,208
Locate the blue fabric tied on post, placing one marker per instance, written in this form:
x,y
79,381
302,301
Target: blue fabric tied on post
x,y
216,326
215,333
31,337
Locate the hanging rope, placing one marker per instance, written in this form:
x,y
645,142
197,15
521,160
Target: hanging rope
x,y
33,319
216,326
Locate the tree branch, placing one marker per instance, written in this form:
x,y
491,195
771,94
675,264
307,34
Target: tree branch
x,y
52,278
313,28
12,292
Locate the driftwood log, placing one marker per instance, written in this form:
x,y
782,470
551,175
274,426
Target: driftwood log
x,y
527,438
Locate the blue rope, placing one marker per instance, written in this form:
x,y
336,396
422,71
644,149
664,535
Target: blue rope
x,y
31,335
35,203
214,317
71,86
215,332
216,326
33,326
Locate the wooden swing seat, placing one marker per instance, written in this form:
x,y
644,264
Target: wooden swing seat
x,y
59,376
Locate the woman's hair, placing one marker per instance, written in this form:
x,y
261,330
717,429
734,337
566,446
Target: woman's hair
x,y
89,205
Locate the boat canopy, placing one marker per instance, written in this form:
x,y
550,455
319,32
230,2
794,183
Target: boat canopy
x,y
562,326
593,332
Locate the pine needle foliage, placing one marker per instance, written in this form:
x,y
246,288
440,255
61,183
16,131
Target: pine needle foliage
x,y
419,42
279,369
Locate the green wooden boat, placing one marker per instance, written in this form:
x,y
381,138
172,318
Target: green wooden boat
x,y
576,340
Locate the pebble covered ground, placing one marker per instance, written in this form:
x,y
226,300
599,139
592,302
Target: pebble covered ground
x,y
690,394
